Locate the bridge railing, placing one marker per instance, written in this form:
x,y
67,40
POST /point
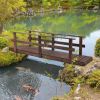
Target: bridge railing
x,y
50,41
80,44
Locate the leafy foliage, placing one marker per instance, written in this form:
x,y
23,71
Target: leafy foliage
x,y
3,42
97,48
9,58
68,74
94,79
8,7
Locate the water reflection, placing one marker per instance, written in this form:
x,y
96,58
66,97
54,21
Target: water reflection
x,y
30,72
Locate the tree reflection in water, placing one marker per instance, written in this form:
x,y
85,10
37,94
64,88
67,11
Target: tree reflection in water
x,y
11,86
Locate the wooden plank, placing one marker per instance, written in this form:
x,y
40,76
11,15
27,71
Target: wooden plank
x,y
15,42
70,50
53,55
39,46
66,43
57,47
53,41
80,45
59,42
29,38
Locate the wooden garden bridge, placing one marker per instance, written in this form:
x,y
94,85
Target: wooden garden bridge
x,y
51,46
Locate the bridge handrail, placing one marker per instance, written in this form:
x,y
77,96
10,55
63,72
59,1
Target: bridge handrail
x,y
51,39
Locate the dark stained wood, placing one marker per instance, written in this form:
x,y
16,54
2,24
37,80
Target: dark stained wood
x,y
70,50
59,42
57,47
39,46
53,55
53,41
80,45
46,47
15,42
30,38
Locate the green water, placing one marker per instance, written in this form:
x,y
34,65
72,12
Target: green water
x,y
83,23
70,22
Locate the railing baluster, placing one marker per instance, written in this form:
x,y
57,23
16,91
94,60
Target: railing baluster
x,y
80,45
40,48
15,42
30,38
70,50
53,42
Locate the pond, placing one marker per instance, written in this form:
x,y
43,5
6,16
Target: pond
x,y
83,23
40,75
43,76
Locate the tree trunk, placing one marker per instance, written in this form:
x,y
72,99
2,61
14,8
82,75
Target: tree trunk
x,y
1,28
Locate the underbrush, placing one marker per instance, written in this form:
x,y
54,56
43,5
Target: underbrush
x,y
9,58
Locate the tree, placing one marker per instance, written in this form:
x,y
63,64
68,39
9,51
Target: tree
x,y
7,9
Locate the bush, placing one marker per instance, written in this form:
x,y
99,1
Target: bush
x,y
97,48
94,79
68,74
3,42
9,58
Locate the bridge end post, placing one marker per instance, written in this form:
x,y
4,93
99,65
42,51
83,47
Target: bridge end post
x,y
15,42
30,37
39,42
80,45
70,50
53,42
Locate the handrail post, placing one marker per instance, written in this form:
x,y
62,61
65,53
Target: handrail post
x,y
53,42
70,50
80,45
30,37
39,47
15,42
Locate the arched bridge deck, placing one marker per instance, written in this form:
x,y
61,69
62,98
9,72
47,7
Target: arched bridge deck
x,y
51,46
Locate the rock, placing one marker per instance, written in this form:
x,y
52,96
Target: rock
x,y
90,70
96,8
6,49
78,70
97,65
77,89
77,98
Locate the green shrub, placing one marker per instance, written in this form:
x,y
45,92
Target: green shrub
x,y
3,42
97,48
68,74
9,58
94,79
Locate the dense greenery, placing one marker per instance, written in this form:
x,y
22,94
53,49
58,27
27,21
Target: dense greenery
x,y
84,4
7,9
3,42
97,48
71,22
70,75
9,58
73,76
94,79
